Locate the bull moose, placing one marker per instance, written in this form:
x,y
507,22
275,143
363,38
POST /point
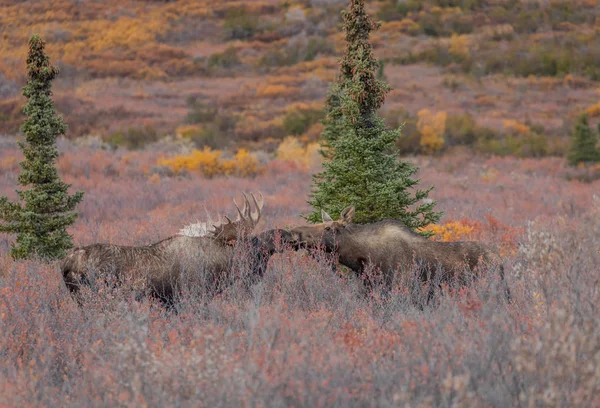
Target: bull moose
x,y
203,256
390,246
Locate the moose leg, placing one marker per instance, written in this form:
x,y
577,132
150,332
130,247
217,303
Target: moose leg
x,y
422,277
433,277
431,289
504,284
430,293
364,276
367,284
167,301
163,292
388,282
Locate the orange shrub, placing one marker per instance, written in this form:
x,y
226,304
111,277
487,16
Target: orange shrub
x,y
492,230
593,110
276,91
450,231
504,234
517,127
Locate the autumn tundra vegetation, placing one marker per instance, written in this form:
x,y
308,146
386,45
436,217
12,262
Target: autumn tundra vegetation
x,y
176,108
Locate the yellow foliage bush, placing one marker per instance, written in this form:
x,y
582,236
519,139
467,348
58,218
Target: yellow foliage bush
x,y
242,165
432,128
459,46
205,161
292,150
451,231
125,32
209,163
517,127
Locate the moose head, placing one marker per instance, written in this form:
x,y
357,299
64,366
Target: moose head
x,y
227,230
314,235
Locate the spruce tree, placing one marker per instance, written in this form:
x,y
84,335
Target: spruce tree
x,y
361,166
583,143
40,222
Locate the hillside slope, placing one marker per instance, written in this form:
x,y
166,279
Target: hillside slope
x,y
240,72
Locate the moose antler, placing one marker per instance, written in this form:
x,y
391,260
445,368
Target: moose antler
x,y
245,221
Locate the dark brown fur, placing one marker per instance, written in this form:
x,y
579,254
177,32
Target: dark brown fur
x,y
390,246
160,268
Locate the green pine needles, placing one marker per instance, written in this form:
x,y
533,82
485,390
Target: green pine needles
x,y
47,210
361,166
584,142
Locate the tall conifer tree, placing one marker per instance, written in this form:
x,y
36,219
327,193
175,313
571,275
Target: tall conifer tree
x,y
40,222
361,166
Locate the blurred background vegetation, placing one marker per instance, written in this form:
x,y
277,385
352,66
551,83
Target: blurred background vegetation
x,y
506,77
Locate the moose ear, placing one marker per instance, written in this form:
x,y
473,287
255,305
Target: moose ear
x,y
326,217
347,215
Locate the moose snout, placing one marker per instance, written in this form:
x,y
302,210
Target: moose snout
x,y
295,239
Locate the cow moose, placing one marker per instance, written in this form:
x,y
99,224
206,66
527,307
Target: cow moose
x,y
391,246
